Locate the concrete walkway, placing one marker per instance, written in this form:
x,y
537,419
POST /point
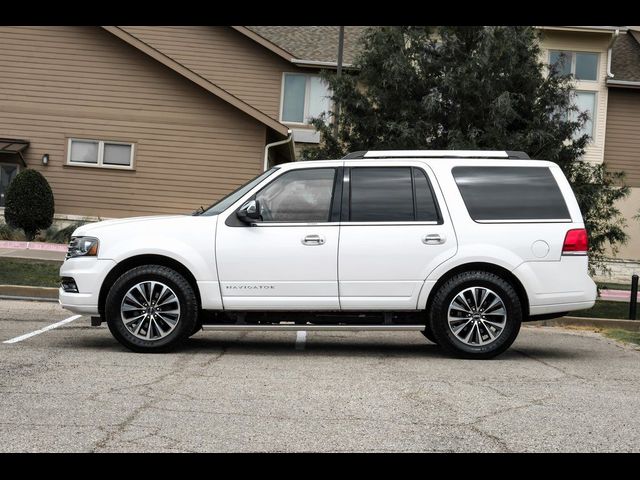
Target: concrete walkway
x,y
32,254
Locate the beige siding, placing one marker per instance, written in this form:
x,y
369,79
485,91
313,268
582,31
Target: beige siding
x,y
61,82
623,134
226,58
622,153
587,42
630,207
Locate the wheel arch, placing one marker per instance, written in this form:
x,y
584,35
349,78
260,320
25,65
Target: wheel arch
x,y
146,259
487,267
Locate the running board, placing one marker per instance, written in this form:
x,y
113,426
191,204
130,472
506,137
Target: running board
x,y
313,327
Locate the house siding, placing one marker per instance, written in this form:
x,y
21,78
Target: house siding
x,y
226,58
623,134
587,42
622,153
191,148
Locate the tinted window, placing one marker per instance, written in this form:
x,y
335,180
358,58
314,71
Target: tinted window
x,y
510,193
298,196
426,209
381,194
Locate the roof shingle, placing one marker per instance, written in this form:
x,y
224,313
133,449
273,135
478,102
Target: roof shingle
x,y
625,58
315,43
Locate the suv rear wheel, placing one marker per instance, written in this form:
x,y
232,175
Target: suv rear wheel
x,y
475,314
151,308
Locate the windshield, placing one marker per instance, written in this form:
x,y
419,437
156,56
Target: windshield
x,y
225,202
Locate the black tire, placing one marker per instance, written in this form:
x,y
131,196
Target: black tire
x,y
439,312
188,304
428,333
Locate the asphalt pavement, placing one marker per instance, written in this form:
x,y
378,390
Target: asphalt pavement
x,y
73,388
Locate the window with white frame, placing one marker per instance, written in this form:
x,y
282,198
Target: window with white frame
x,y
586,102
100,153
583,65
303,97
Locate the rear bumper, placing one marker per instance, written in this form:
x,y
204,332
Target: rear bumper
x,y
554,287
88,273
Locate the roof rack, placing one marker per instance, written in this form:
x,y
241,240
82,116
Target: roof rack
x,y
505,154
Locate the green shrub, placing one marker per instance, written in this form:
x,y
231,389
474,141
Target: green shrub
x,y
29,203
54,234
8,233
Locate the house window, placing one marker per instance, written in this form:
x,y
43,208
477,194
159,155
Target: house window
x,y
8,172
303,97
586,102
583,65
100,153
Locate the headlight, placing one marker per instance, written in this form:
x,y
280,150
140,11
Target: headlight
x,y
83,247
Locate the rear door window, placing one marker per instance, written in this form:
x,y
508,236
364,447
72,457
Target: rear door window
x,y
502,194
391,194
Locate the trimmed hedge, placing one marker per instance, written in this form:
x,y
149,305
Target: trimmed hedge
x,y
29,203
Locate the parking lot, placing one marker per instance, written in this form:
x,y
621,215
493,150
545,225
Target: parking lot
x,y
74,388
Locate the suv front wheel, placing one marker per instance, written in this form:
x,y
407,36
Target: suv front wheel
x,y
475,314
151,308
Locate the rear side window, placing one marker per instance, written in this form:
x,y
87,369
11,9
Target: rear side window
x,y
391,194
511,194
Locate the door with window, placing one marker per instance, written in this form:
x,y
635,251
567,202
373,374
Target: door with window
x,y
8,172
288,258
395,230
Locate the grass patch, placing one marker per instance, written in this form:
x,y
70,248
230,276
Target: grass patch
x,y
623,335
36,273
614,286
605,309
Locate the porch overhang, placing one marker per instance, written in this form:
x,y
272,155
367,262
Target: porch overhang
x,y
14,147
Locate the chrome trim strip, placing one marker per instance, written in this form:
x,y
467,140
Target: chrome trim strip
x,y
535,220
341,224
290,327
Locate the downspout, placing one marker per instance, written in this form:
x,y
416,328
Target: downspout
x,y
609,50
275,144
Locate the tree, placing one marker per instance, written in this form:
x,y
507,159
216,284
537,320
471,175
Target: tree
x,y
29,203
470,88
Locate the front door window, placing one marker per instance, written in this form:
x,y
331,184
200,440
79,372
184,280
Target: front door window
x,y
7,174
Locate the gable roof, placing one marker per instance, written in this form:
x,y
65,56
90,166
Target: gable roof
x,y
625,59
310,45
198,80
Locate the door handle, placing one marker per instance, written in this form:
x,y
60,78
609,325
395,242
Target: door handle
x,y
313,240
433,239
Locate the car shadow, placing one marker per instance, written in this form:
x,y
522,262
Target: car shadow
x,y
342,346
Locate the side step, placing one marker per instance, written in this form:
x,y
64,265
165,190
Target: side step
x,y
294,327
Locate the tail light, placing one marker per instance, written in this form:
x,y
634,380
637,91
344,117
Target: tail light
x,y
575,242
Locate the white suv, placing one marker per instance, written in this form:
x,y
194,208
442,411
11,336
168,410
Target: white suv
x,y
460,245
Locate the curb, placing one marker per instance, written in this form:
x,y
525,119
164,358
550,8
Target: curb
x,y
631,325
23,292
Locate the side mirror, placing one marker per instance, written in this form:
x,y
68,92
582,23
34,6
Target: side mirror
x,y
249,212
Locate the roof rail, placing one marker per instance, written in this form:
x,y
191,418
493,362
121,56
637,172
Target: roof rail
x,y
506,154
352,155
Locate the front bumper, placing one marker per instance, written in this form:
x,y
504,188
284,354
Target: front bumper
x,y
89,274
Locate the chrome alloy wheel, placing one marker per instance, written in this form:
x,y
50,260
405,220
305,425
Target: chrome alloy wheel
x,y
150,310
477,316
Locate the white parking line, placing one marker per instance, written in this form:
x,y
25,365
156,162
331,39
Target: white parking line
x,y
301,338
42,330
